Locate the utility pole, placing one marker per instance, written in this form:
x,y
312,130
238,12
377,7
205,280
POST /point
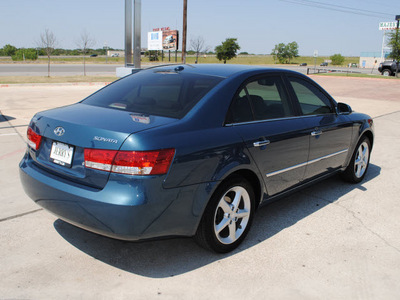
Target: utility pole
x,y
105,48
128,32
137,34
130,68
184,31
397,39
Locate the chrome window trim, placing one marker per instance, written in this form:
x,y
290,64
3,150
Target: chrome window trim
x,y
306,163
277,119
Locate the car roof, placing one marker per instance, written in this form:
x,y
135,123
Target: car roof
x,y
221,70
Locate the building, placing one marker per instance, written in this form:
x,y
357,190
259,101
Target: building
x,y
372,59
116,53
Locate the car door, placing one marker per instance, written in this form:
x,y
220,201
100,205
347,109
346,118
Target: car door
x,y
263,115
330,133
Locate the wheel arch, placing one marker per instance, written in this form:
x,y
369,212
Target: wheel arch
x,y
253,179
366,133
369,135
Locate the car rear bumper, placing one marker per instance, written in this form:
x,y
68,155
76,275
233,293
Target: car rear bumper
x,y
140,210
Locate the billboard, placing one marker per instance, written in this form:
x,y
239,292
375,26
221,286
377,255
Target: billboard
x,y
170,40
387,25
163,39
155,40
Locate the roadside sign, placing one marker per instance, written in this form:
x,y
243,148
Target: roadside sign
x,y
387,25
315,53
154,40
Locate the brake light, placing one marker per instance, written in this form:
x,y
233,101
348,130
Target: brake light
x,y
130,162
99,159
34,139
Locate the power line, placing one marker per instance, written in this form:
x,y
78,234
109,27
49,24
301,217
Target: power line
x,y
346,7
339,8
379,2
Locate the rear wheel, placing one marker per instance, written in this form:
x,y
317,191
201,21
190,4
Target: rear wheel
x,y
228,216
356,170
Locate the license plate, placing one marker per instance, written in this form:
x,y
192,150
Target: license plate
x,y
61,154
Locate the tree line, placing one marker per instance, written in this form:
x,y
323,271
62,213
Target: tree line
x,y
33,53
47,46
282,53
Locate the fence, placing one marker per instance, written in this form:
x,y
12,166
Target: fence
x,y
318,71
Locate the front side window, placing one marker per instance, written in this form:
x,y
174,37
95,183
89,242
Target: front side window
x,y
261,99
312,101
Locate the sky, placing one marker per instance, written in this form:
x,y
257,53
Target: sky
x,y
348,27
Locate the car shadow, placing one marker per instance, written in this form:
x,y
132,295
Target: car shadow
x,y
172,257
4,118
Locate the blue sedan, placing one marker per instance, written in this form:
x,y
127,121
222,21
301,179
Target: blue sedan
x,y
190,151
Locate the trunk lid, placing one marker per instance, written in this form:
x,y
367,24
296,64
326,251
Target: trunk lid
x,y
76,127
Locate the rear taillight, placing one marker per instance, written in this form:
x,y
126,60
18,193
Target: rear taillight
x,y
130,162
34,139
99,159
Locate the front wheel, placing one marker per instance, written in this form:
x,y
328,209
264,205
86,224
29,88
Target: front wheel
x,y
356,170
228,216
386,72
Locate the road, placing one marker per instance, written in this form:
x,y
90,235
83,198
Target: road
x,y
109,69
56,69
330,241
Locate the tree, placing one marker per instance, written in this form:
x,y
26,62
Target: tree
x,y
153,55
337,59
9,50
292,50
48,42
279,52
84,42
227,50
284,53
197,45
394,44
22,54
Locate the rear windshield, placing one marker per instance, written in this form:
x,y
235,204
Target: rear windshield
x,y
162,93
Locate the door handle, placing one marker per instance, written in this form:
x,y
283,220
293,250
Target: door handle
x,y
261,143
316,133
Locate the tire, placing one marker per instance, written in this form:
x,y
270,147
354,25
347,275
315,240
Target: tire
x,y
228,216
386,72
358,166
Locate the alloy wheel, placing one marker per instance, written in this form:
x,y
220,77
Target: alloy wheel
x,y
232,215
361,160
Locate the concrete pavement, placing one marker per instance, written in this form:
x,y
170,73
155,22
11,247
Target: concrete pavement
x,y
332,241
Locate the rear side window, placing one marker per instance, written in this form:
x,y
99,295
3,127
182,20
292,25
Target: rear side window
x,y
161,93
312,100
261,99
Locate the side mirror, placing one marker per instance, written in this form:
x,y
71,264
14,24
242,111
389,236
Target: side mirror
x,y
343,108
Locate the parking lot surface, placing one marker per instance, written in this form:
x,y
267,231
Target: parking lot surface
x,y
333,240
